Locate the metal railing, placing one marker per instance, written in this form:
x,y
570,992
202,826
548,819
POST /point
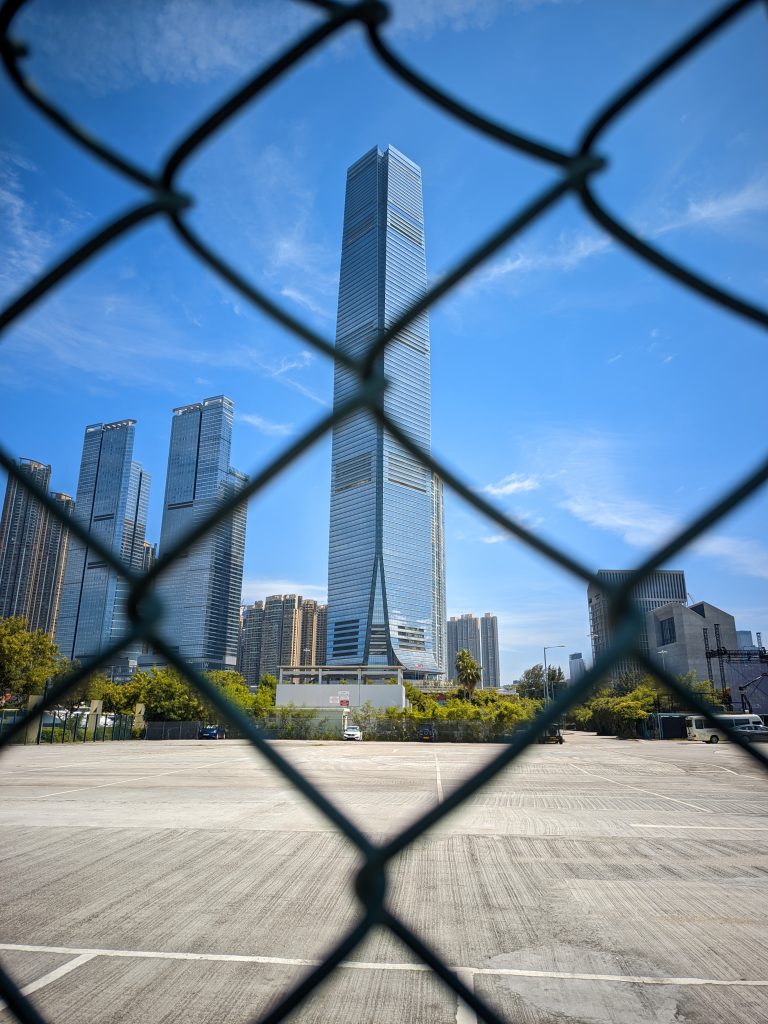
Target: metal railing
x,y
577,172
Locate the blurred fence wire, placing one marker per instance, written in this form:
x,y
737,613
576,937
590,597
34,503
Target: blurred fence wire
x,y
578,171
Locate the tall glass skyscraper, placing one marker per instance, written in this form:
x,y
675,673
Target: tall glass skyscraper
x,y
201,591
386,580
112,502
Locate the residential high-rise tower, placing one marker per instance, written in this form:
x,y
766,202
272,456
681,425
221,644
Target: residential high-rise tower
x,y
489,642
33,551
385,569
249,652
201,590
463,635
112,502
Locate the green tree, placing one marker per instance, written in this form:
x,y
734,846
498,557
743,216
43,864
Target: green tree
x,y
531,683
27,660
232,686
467,672
167,696
265,697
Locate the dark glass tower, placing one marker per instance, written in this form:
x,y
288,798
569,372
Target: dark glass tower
x,y
112,503
386,602
201,591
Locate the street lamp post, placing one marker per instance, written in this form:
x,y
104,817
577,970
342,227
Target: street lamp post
x,y
546,684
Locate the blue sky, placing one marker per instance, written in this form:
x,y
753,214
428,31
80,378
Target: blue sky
x,y
598,403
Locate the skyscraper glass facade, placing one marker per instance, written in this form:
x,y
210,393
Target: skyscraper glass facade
x,y
385,569
112,502
201,591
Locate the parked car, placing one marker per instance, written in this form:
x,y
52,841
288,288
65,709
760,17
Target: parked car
x,y
211,732
754,733
426,734
551,734
353,732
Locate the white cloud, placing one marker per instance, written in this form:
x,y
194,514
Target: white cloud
x,y
305,300
512,484
425,17
28,235
495,538
107,45
591,477
718,208
616,358
257,589
741,553
265,426
636,522
569,251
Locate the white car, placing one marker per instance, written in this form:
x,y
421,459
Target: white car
x,y
353,732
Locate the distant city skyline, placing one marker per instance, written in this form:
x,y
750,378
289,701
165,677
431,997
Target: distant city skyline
x,y
536,358
282,630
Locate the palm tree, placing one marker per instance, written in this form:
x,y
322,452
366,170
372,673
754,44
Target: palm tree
x,y
467,672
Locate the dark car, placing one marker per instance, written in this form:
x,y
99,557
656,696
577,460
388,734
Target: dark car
x,y
753,733
551,734
211,732
426,734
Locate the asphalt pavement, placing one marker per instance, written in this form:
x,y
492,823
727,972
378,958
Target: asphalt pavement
x,y
602,881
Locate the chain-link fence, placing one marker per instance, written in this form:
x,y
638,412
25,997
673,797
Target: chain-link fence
x,y
577,171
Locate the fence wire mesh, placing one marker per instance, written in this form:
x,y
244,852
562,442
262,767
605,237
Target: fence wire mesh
x,y
577,172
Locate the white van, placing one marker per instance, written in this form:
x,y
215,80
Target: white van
x,y
699,728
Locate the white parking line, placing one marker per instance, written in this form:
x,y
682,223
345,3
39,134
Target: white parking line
x,y
438,779
707,828
139,778
54,975
465,1014
359,965
638,789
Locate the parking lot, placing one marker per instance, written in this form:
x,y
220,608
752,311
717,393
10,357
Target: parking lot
x,y
599,881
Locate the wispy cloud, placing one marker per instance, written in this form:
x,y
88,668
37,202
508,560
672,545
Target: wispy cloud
x,y
495,538
28,237
592,479
307,301
569,252
717,208
105,335
512,484
429,16
112,45
26,243
572,249
265,426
